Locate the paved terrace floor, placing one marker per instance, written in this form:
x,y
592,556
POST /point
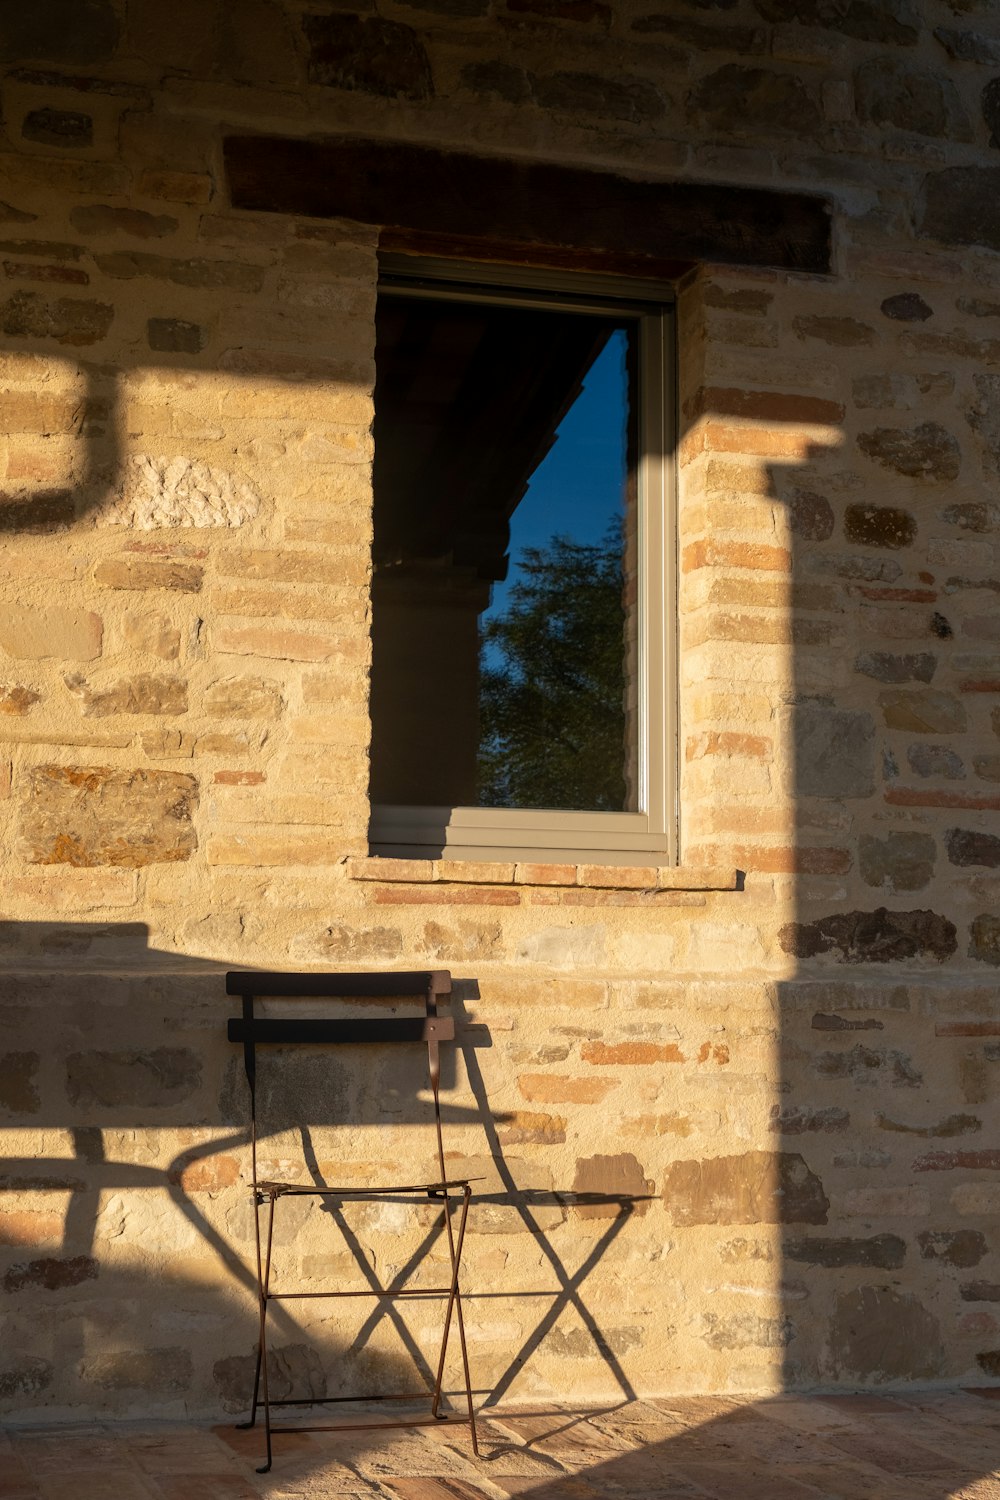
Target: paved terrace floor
x,y
937,1446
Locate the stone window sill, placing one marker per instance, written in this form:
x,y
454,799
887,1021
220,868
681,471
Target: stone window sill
x,y
444,879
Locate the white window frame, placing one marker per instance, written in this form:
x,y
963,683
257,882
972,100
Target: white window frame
x,y
650,835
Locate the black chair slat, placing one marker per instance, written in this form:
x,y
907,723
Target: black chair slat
x,y
265,1029
263,983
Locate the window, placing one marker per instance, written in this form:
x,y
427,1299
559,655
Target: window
x,y
523,595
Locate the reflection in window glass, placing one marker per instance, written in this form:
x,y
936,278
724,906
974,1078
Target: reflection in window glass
x,y
504,638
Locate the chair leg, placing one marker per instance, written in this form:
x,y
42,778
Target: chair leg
x,y
455,1304
243,1426
262,1350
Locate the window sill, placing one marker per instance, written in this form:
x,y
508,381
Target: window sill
x,y
428,880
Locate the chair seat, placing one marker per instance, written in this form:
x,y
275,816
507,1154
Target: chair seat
x,y
281,1189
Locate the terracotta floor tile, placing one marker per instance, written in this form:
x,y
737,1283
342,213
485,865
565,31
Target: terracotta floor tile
x,y
96,1484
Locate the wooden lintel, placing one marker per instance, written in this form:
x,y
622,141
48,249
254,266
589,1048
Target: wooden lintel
x,y
416,192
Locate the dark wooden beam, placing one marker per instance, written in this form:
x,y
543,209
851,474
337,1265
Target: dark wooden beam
x,y
416,193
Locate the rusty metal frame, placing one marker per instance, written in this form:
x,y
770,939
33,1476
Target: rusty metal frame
x,y
432,1029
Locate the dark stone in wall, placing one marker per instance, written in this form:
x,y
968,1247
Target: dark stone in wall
x,y
294,1372
879,936
796,1120
50,1275
924,452
869,1065
991,110
18,1088
984,418
27,1376
810,516
887,1252
957,1247
59,31
154,1079
968,46
924,103
894,21
879,526
907,307
961,205
888,666
368,54
967,847
899,862
68,320
622,98
980,1291
881,1335
758,1187
502,80
989,1361
834,752
102,218
58,127
821,1021
584,12
139,1369
984,939
951,1126
174,336
740,99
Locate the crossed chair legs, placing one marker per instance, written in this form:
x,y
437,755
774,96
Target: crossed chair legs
x,y
261,1398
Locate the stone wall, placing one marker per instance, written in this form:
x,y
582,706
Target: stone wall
x,y
789,1081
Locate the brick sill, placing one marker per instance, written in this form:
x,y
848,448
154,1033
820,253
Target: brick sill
x,y
642,879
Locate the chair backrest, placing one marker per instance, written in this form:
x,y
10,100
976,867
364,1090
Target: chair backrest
x,y
252,1030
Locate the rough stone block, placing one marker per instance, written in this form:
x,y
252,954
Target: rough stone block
x,y
899,862
142,694
879,936
99,816
757,1187
149,1370
35,634
834,752
153,1079
881,1335
619,1180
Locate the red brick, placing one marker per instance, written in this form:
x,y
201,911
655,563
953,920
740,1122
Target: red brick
x,y
980,685
901,596
550,1088
765,406
783,859
365,868
709,553
952,1161
617,877
967,1028
446,895
715,742
20,270
560,896
472,872
914,796
535,874
208,1175
605,1054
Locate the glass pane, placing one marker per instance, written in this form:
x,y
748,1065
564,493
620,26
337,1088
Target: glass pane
x,y
505,572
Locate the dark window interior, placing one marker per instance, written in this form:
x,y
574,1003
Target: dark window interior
x,y
503,624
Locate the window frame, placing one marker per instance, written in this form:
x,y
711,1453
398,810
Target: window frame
x,y
650,835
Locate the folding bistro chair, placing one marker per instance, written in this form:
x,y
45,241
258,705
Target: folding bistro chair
x,y
432,1029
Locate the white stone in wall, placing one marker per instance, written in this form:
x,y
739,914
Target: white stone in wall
x,y
161,492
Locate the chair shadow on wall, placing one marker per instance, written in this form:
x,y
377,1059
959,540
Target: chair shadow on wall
x,y
96,1059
